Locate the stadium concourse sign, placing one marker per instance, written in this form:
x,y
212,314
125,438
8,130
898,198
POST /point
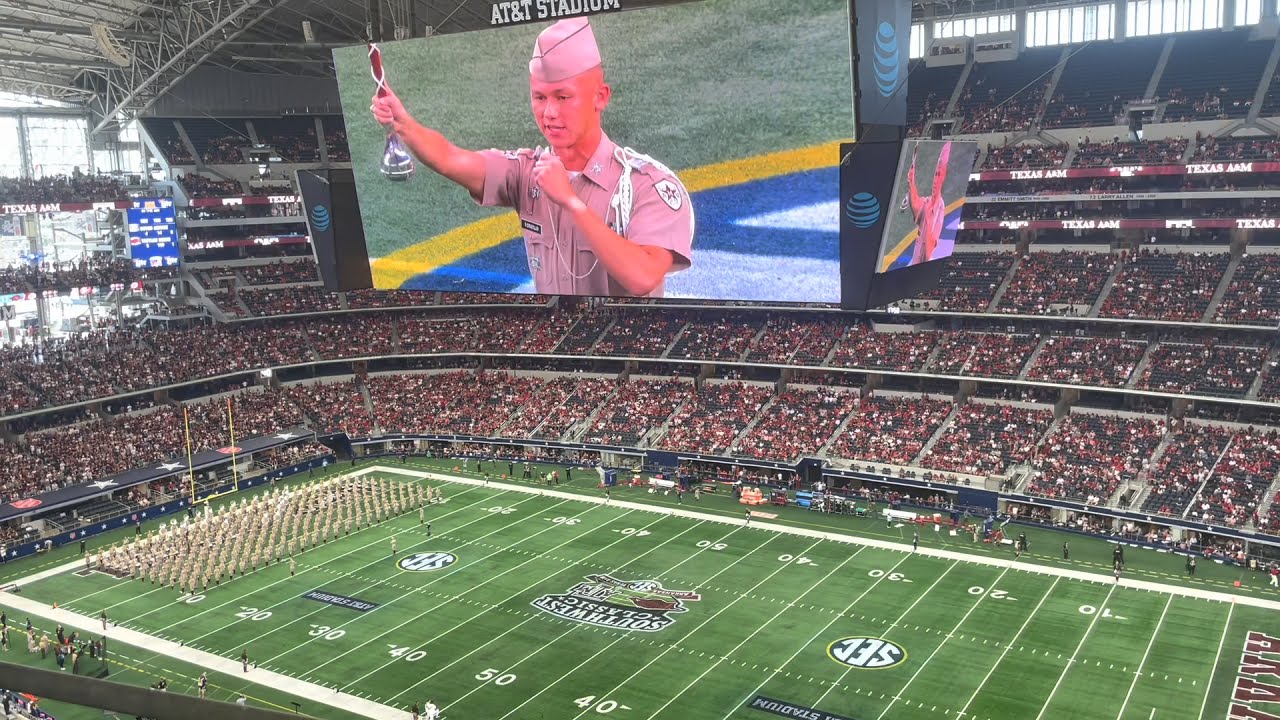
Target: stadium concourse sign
x,y
154,471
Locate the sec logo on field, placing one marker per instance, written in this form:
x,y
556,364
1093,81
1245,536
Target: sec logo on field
x,y
427,562
867,653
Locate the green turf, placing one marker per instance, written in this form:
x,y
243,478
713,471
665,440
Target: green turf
x,y
993,642
693,84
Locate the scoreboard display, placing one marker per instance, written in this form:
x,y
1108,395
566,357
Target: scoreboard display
x,y
153,233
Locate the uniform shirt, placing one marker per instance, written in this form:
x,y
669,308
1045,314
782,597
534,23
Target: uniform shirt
x,y
560,257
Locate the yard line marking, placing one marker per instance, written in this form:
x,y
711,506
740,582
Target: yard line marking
x,y
530,617
684,637
1071,661
1025,623
170,588
381,558
304,571
1145,655
429,584
472,588
748,639
837,536
816,635
916,674
1214,668
889,629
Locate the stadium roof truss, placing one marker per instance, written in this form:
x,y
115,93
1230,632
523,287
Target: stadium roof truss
x,y
116,57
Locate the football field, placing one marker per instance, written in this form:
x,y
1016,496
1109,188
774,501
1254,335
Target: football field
x,y
522,603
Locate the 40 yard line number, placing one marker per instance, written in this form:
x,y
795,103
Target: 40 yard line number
x,y
603,707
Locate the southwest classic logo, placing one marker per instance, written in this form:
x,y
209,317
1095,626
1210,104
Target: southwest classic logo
x,y
427,562
606,601
320,217
885,59
863,210
866,653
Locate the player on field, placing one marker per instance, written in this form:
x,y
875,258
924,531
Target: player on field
x,y
202,685
430,711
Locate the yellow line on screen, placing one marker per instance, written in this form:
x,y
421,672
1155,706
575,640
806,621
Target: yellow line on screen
x,y
424,256
910,239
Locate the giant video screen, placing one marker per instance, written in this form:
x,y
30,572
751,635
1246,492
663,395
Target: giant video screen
x,y
928,197
686,150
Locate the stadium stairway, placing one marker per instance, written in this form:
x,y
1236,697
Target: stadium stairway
x,y
651,438
1204,482
1141,366
1268,77
1222,286
368,401
1038,120
764,327
675,339
760,414
1096,307
835,434
1273,358
1144,476
937,435
1034,356
1004,284
1268,498
580,428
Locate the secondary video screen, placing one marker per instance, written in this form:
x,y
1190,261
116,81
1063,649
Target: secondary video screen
x,y
153,233
687,150
927,199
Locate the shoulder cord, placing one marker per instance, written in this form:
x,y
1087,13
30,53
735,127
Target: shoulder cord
x,y
623,198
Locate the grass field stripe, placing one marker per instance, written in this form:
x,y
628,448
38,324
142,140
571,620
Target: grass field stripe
x,y
1072,660
960,715
433,581
1138,673
704,623
676,643
160,588
532,617
257,590
778,670
495,577
449,247
889,628
1216,657
755,632
914,675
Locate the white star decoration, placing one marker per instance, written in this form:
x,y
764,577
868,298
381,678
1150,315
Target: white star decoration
x,y
169,466
103,484
286,436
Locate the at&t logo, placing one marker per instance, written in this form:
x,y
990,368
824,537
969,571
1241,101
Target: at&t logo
x,y
320,218
885,59
427,562
863,210
866,653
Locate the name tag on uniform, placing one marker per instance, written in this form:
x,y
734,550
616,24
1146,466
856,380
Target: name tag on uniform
x,y
530,226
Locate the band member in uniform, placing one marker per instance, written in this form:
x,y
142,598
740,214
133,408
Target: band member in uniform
x,y
598,219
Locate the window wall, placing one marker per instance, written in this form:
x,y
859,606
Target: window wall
x,y
1157,17
59,144
974,26
1064,26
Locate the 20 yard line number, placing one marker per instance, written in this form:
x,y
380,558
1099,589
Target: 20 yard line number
x,y
602,707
